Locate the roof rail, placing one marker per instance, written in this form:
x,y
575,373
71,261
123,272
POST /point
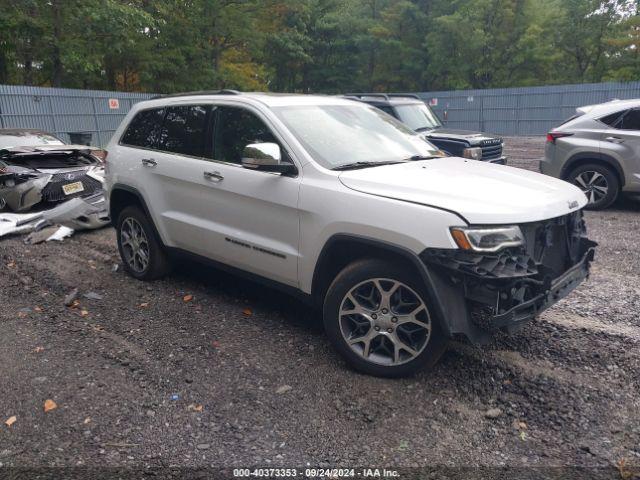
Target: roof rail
x,y
360,95
404,95
224,91
386,96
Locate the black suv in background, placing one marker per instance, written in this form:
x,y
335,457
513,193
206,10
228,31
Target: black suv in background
x,y
417,115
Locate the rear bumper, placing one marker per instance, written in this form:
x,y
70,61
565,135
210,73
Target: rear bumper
x,y
481,294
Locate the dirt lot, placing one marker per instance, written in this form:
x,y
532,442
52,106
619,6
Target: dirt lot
x,y
243,376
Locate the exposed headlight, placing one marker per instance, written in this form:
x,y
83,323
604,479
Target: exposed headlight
x,y
487,239
473,153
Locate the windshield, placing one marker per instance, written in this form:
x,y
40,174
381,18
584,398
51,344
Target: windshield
x,y
27,139
337,135
418,116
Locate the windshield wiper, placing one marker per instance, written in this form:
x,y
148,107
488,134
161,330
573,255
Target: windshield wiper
x,y
421,157
354,165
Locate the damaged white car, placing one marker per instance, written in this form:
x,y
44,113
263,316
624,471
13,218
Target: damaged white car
x,y
63,182
48,173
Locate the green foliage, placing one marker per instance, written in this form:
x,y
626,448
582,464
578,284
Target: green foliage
x,y
316,45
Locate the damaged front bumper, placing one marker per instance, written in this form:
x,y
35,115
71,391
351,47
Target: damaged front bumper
x,y
550,294
481,293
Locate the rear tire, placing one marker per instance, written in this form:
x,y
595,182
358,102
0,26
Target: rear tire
x,y
379,317
598,182
142,252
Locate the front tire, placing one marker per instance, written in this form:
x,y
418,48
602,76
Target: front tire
x,y
598,182
142,253
377,315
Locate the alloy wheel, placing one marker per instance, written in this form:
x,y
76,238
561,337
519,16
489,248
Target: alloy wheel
x,y
135,245
385,321
594,185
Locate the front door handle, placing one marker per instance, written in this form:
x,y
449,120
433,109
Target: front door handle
x,y
149,162
614,139
213,176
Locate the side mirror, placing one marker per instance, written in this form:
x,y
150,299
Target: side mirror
x,y
266,157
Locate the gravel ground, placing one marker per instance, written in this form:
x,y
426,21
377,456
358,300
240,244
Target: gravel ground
x,y
239,375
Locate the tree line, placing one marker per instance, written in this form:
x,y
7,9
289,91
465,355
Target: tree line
x,y
316,45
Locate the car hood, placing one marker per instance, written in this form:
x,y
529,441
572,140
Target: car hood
x,y
9,151
473,138
480,192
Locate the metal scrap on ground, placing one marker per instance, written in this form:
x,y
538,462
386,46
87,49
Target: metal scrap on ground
x,y
75,214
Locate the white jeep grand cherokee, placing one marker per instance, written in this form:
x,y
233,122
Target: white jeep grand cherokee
x,y
341,204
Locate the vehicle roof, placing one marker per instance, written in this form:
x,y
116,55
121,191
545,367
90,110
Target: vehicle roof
x,y
608,107
266,98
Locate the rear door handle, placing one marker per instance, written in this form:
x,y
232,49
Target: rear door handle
x,y
614,139
213,176
149,162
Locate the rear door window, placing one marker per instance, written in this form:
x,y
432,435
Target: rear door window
x,y
185,131
144,129
613,119
630,121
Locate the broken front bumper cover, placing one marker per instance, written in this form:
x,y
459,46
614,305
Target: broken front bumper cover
x,y
559,288
483,293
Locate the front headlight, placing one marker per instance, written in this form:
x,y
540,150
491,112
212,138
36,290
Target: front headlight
x,y
473,153
487,239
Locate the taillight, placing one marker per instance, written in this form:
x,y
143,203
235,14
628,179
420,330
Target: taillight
x,y
553,136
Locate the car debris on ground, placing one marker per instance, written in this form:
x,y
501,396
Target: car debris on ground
x,y
75,214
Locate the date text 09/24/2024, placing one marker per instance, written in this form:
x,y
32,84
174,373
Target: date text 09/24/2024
x,y
316,472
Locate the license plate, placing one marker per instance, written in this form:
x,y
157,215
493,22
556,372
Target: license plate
x,y
71,188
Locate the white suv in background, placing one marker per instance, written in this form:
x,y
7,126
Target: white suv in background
x,y
344,206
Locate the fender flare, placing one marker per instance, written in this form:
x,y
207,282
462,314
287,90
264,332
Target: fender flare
x,y
391,248
131,190
143,203
582,157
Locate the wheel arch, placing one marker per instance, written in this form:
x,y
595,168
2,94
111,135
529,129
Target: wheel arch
x,y
593,157
122,196
342,249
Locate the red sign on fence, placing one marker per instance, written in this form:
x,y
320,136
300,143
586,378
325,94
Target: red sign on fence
x,y
114,103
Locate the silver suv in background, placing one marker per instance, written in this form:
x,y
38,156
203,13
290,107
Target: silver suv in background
x,y
598,150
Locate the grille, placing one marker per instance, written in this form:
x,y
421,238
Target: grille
x,y
52,192
555,243
491,151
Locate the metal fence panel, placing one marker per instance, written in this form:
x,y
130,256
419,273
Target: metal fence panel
x,y
522,110
63,111
504,111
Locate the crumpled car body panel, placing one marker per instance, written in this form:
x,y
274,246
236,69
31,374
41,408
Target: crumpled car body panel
x,y
76,214
23,196
80,213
